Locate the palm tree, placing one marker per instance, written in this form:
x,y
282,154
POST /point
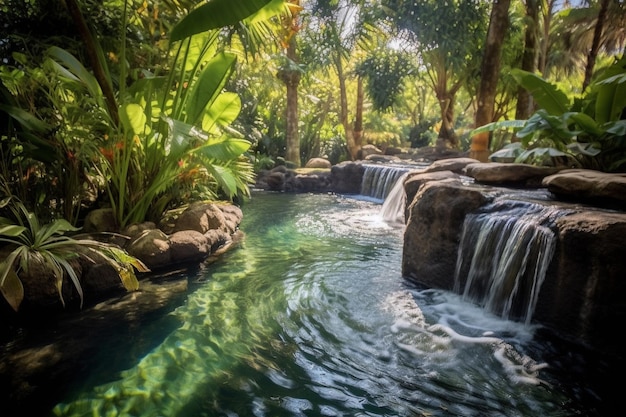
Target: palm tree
x,y
339,31
290,75
588,31
447,37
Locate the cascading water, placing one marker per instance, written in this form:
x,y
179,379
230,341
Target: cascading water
x,y
504,254
394,204
310,315
378,180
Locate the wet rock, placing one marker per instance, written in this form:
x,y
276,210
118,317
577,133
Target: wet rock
x,y
509,173
433,230
188,246
201,217
152,247
100,220
583,291
318,163
586,184
346,177
456,165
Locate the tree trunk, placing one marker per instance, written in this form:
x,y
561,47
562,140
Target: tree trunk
x,y
96,65
353,149
291,78
595,45
447,137
545,37
498,26
529,60
358,120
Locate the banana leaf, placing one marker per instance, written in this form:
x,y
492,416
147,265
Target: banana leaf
x,y
215,14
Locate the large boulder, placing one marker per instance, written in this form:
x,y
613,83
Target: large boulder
x,y
153,248
509,173
583,292
232,217
201,217
100,220
456,165
433,230
586,184
188,246
318,163
347,177
416,179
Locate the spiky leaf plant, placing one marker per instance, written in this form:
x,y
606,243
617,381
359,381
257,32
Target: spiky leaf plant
x,y
27,240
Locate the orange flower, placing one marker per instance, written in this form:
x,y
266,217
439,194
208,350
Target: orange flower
x,y
189,176
107,153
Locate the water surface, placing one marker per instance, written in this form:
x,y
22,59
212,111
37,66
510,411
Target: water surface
x,y
310,316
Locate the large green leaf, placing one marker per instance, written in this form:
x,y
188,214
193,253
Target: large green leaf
x,y
11,286
209,85
26,119
225,149
55,228
223,112
611,98
181,135
76,68
133,118
617,128
273,8
533,125
502,124
547,96
12,230
215,14
225,178
586,123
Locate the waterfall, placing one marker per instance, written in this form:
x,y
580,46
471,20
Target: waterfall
x,y
379,179
504,253
394,205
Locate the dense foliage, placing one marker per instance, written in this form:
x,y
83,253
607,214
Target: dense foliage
x,y
143,106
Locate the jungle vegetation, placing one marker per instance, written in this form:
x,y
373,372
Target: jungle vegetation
x,y
145,105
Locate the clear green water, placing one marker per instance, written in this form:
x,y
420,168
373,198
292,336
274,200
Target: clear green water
x,y
310,316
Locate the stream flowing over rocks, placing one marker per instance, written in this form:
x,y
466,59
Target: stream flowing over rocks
x,y
582,291
574,284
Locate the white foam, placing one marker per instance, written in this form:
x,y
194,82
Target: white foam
x,y
458,328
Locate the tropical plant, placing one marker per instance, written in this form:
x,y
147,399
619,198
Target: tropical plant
x,y
48,142
27,241
165,137
590,129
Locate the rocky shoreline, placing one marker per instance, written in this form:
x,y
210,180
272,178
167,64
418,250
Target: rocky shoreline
x,y
584,292
584,299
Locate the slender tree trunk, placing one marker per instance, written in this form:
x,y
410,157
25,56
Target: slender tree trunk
x,y
91,49
353,149
358,120
446,96
447,137
291,78
595,45
545,37
529,60
498,26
